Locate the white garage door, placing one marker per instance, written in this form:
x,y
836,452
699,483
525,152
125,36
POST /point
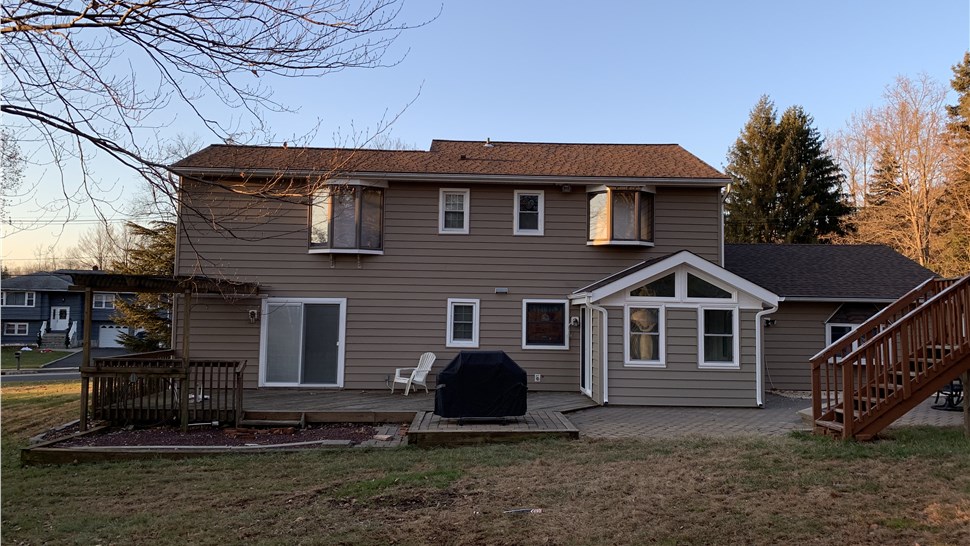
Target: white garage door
x,y
108,335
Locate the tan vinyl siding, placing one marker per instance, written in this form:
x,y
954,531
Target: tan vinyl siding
x,y
797,334
682,382
396,303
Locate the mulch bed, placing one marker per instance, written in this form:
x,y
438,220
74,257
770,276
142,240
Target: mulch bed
x,y
209,436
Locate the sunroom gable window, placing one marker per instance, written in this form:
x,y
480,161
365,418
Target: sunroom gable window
x,y
664,287
699,288
347,217
620,216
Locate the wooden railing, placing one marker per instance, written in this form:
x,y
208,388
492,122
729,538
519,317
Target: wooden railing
x,y
158,387
895,360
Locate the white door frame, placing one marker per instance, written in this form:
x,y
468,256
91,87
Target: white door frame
x,y
264,333
66,321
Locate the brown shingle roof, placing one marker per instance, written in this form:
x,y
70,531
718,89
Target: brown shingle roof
x,y
827,272
456,157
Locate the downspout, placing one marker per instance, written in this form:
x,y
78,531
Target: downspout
x,y
759,354
604,335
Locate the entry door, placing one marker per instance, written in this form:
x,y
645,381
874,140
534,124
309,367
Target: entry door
x,y
302,343
60,318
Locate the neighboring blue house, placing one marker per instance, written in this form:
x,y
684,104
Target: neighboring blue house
x,y
40,309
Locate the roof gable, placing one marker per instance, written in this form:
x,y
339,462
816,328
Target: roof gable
x,y
639,273
827,272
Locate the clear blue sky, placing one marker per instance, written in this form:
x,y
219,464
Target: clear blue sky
x,y
686,72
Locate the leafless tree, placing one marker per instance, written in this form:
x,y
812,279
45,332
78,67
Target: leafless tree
x,y
12,165
101,247
90,78
909,131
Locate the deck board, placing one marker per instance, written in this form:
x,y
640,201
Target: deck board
x,y
432,430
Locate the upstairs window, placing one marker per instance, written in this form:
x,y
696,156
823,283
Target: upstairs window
x,y
104,301
529,213
17,299
453,208
347,218
620,217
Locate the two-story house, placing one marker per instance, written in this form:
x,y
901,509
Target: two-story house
x,y
41,308
596,267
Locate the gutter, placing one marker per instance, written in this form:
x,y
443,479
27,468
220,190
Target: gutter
x,y
759,355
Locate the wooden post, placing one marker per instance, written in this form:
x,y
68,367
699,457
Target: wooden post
x,y
86,355
966,404
184,392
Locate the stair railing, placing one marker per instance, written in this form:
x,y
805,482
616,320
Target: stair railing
x,y
72,334
892,354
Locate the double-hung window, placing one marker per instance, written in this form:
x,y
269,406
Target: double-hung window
x,y
453,210
17,299
104,301
15,328
645,335
529,212
347,217
719,337
462,323
545,324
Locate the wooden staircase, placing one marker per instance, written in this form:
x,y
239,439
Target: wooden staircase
x,y
897,359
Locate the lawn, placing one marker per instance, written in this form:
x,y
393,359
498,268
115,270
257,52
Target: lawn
x,y
28,359
912,488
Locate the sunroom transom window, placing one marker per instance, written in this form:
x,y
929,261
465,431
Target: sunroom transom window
x,y
620,217
347,218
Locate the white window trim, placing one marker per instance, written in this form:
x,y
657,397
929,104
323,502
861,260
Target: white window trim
x,y
735,338
542,214
104,300
441,211
264,335
661,330
30,299
449,336
565,326
16,326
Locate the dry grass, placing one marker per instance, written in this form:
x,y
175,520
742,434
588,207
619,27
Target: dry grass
x,y
914,488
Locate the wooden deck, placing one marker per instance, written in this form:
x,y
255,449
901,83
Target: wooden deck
x,y
544,418
428,429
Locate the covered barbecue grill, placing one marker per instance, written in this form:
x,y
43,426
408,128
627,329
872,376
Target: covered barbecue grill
x,y
481,384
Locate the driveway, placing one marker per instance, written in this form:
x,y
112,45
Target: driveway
x,y
74,360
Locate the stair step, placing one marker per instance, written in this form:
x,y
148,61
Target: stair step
x,y
831,425
270,423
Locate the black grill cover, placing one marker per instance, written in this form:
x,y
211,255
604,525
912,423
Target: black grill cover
x,y
481,384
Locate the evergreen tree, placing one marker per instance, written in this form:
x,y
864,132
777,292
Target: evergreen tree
x,y
955,254
153,253
785,187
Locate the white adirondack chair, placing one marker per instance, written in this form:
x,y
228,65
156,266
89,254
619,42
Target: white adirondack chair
x,y
414,376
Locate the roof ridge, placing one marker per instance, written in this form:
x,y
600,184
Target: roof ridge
x,y
558,143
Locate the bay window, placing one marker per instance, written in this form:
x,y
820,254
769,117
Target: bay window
x,y
619,216
347,218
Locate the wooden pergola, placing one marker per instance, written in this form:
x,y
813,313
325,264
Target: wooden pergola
x,y
151,364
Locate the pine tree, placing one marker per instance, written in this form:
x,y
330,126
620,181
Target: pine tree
x,y
955,255
785,187
153,254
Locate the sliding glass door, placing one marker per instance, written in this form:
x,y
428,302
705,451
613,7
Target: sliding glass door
x,y
302,342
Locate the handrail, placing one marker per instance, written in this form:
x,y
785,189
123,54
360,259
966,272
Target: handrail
x,y
72,333
897,360
43,327
886,315
887,331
